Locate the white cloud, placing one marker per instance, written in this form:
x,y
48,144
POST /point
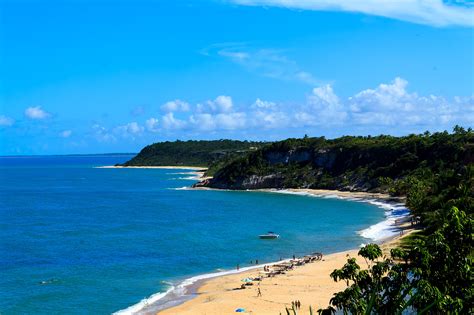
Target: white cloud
x,y
6,121
430,12
392,104
203,121
303,118
134,128
65,133
102,134
389,104
175,106
270,119
221,121
170,122
130,130
152,125
323,108
221,104
231,121
260,104
386,107
236,55
36,112
270,63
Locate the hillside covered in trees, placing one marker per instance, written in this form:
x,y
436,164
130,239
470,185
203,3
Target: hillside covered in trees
x,y
211,154
381,163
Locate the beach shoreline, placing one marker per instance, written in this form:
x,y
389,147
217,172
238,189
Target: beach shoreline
x,y
349,195
310,284
214,292
194,168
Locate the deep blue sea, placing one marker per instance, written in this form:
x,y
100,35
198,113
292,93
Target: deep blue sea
x,y
75,239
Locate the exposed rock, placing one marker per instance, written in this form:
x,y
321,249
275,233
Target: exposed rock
x,y
291,156
324,158
256,182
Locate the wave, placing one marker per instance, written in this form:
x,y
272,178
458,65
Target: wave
x,y
136,308
180,291
196,176
395,213
182,188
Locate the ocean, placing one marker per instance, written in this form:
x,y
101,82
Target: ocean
x,y
77,239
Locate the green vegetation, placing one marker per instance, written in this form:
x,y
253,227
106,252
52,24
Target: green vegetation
x,y
432,273
377,164
212,154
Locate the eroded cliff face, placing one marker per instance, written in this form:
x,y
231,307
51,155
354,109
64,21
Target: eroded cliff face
x,y
243,183
320,158
347,163
319,162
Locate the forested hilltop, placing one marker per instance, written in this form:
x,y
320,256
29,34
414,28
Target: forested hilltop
x,y
192,153
381,163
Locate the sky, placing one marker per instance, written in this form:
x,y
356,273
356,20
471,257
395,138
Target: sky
x,y
83,76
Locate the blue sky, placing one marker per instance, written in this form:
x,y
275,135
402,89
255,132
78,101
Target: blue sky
x,y
82,76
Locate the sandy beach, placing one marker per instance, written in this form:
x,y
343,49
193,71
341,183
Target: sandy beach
x,y
194,168
310,283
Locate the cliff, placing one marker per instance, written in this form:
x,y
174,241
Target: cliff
x,y
347,163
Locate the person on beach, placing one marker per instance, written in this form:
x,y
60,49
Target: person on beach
x,y
256,261
238,267
259,293
294,257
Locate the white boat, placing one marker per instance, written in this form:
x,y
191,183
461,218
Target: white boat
x,y
269,235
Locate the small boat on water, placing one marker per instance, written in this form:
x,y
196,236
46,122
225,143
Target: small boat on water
x,y
269,235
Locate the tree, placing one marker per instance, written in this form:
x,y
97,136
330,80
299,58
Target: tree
x,y
434,276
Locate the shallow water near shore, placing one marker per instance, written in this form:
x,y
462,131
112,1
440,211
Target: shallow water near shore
x,y
77,239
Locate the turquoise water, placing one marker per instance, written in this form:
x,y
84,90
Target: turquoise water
x,y
75,239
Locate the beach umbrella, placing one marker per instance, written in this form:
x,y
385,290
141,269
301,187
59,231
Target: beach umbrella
x,y
240,310
247,280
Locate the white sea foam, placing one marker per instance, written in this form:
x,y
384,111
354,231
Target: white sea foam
x,y
377,232
136,308
387,228
181,289
182,188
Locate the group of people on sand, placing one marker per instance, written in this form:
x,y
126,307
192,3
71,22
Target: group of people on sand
x,y
296,304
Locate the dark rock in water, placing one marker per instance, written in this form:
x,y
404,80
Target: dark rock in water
x,y
251,182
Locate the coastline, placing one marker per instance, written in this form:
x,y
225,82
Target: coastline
x,y
310,284
214,293
194,168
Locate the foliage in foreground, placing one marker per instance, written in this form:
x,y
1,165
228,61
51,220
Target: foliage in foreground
x,y
435,276
434,273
